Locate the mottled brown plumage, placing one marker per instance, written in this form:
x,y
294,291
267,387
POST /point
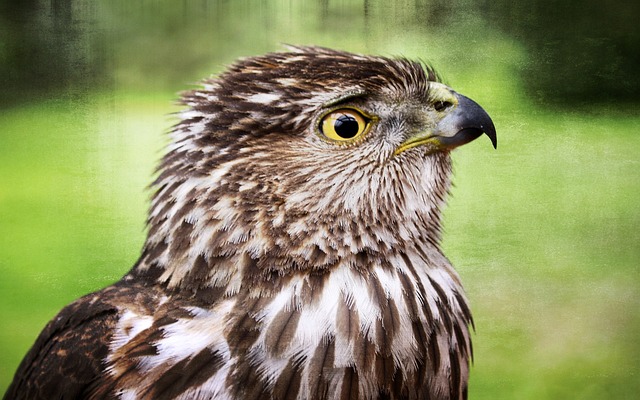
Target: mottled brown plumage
x,y
292,249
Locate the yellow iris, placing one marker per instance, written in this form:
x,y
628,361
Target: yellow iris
x,y
344,125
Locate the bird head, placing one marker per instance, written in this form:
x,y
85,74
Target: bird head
x,y
311,151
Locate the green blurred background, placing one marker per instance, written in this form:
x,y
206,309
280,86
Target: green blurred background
x,y
545,231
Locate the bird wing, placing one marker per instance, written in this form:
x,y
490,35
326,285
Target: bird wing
x,y
69,354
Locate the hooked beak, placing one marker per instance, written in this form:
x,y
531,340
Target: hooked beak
x,y
465,122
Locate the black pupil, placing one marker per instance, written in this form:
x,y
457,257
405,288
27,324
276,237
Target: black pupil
x,y
346,126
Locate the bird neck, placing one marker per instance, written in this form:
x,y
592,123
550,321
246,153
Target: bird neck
x,y
258,250
206,234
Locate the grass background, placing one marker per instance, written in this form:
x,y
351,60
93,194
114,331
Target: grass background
x,y
544,231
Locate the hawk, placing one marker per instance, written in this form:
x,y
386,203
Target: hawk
x,y
292,250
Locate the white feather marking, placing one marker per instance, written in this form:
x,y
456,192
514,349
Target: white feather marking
x,y
287,81
190,113
218,173
356,291
129,325
263,98
128,394
247,186
234,285
318,320
188,337
404,345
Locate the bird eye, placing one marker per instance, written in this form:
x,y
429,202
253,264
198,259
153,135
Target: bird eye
x,y
344,124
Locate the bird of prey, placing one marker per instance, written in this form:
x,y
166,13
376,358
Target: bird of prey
x,y
293,246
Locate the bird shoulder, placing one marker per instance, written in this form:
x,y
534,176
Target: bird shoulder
x,y
68,355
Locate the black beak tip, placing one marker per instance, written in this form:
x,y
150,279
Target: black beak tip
x,y
490,131
476,119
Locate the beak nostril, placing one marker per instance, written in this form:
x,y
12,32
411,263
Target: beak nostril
x,y
441,105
